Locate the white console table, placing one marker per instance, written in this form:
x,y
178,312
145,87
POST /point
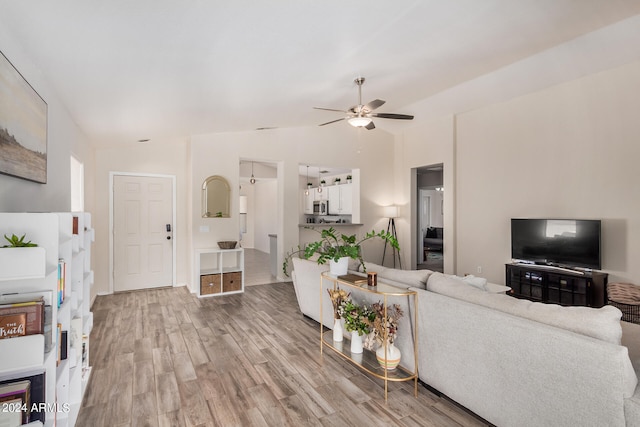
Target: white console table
x,y
220,271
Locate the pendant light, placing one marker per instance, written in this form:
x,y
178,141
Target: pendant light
x,y
319,185
253,179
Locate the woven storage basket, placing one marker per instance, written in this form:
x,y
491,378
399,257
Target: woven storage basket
x,y
227,244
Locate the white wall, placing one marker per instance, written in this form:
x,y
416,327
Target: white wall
x,y
63,138
248,237
436,211
426,144
337,146
570,151
168,158
265,213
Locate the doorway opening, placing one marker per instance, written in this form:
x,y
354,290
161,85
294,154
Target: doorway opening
x,y
259,220
430,217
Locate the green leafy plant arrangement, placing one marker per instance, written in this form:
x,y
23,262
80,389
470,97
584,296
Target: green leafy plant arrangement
x,y
357,318
333,247
18,242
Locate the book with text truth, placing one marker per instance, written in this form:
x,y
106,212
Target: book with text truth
x,y
47,297
13,325
33,311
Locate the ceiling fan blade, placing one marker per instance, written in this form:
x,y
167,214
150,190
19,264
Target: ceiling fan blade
x,y
376,103
392,116
329,109
332,121
370,126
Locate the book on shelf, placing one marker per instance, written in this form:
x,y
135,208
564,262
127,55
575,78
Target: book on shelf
x,y
32,403
85,353
62,278
13,325
59,341
30,302
48,328
15,395
11,413
31,310
353,279
64,345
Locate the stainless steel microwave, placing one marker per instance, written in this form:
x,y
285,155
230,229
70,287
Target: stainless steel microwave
x,y
321,207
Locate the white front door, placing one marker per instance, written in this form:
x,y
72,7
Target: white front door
x,y
142,232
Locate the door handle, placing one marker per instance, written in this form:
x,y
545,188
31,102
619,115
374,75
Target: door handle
x,y
168,228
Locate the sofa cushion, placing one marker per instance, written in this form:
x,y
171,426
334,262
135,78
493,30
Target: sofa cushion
x,y
413,278
476,282
600,323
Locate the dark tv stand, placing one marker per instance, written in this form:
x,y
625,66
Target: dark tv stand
x,y
557,285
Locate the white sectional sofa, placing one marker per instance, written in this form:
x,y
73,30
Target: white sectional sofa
x,y
513,362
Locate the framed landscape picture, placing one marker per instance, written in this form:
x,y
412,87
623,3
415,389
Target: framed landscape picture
x,y
23,126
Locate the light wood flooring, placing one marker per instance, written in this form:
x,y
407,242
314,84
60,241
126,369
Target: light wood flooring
x,y
163,357
257,268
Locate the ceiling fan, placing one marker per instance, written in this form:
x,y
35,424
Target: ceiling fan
x,y
362,115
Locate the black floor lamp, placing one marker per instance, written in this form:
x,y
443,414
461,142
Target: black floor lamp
x,y
391,212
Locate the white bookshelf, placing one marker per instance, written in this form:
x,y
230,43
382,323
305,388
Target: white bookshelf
x,y
23,356
219,271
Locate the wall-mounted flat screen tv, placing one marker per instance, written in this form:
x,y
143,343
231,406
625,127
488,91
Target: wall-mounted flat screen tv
x,y
559,242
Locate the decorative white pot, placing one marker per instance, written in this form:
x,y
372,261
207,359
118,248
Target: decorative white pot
x,y
356,343
339,268
22,263
390,359
337,330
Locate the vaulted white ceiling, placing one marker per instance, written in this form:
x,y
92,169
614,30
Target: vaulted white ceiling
x,y
133,69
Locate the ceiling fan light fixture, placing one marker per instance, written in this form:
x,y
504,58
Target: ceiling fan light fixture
x,y
359,122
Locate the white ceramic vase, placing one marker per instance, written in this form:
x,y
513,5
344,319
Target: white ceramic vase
x,y
356,342
339,268
337,330
391,359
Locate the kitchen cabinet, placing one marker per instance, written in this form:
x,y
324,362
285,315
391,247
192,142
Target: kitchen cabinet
x,y
340,199
324,195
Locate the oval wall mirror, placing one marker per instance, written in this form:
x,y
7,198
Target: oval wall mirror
x,y
216,195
